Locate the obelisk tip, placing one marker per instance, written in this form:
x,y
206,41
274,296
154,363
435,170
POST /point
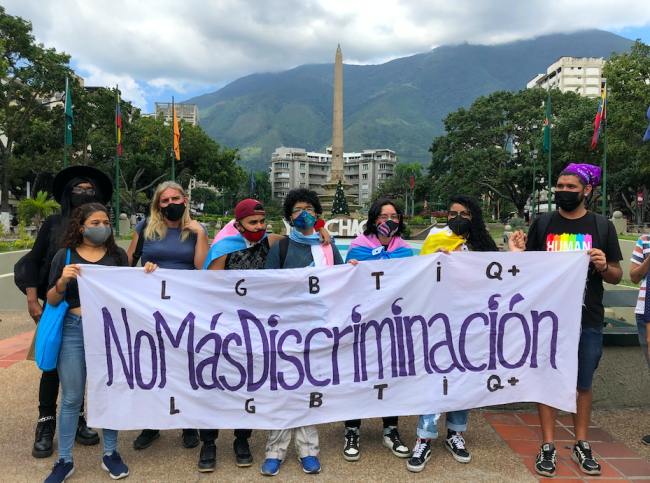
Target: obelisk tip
x,y
338,49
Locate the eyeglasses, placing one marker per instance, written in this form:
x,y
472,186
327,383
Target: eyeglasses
x,y
309,210
89,191
394,217
464,214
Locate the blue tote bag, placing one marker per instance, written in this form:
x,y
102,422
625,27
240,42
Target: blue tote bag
x,y
50,331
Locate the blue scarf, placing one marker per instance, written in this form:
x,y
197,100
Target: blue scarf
x,y
313,239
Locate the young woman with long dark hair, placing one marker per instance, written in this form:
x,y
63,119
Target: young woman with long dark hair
x,y
71,188
89,240
465,231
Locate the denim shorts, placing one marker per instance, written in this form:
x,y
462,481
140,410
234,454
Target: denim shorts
x,y
590,350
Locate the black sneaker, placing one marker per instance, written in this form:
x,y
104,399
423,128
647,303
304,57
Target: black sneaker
x,y
456,446
646,439
394,443
584,457
243,455
545,462
146,438
85,436
208,458
351,450
421,454
191,438
44,436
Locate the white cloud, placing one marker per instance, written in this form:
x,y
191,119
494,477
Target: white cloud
x,y
130,89
183,45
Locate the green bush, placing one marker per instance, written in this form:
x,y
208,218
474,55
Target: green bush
x,y
19,243
516,224
407,232
30,243
277,229
490,220
4,247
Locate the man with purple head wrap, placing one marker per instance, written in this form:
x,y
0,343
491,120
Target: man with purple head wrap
x,y
572,227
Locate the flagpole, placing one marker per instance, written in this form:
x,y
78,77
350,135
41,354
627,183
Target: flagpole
x,y
117,168
173,141
549,152
65,127
605,154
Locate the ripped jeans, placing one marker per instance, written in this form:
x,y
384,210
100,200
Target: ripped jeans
x,y
455,420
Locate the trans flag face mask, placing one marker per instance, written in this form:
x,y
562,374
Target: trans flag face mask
x,y
388,228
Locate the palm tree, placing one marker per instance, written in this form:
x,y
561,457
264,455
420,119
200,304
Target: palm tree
x,y
38,207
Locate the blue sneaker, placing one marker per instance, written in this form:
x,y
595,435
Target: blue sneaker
x,y
115,466
61,471
271,467
310,464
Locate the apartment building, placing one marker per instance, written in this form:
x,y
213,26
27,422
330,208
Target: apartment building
x,y
188,112
582,75
292,168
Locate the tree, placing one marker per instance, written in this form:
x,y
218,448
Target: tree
x,y
262,186
40,207
34,75
628,160
487,147
340,203
203,195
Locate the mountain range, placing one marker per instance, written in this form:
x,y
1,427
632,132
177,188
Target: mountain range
x,y
399,105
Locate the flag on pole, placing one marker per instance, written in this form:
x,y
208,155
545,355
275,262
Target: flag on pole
x,y
118,118
647,133
547,126
177,137
252,183
69,119
599,117
412,179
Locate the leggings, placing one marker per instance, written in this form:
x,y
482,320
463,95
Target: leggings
x,y
48,393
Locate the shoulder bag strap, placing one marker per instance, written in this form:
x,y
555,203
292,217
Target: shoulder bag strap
x,y
138,248
284,248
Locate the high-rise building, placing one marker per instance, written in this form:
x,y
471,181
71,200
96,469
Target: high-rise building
x,y
187,112
582,75
292,168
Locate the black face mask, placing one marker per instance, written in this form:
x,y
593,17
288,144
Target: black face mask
x,y
78,199
569,200
459,225
173,211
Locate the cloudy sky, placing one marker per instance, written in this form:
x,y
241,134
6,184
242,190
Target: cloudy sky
x,y
158,48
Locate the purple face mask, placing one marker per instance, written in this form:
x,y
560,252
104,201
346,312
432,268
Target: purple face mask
x,y
590,174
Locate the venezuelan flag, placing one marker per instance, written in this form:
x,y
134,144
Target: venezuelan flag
x,y
599,117
119,127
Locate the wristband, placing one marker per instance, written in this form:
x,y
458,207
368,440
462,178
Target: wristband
x,y
606,268
56,287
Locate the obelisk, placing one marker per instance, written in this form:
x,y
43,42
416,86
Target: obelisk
x,y
336,172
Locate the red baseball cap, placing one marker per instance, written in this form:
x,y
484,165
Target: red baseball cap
x,y
248,208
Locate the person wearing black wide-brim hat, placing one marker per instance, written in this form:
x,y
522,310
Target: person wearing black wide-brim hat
x,y
72,187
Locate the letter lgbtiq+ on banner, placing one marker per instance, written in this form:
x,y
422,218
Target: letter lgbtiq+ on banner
x,y
315,345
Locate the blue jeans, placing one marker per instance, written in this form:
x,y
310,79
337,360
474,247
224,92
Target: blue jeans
x,y
72,373
590,350
642,329
455,420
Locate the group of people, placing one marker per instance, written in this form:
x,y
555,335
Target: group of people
x,y
170,239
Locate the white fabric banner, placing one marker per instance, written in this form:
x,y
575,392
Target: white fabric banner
x,y
287,348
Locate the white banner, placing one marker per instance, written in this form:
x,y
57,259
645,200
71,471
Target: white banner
x,y
287,348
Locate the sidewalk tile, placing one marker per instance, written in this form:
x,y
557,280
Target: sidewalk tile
x,y
516,432
524,448
508,419
562,451
613,450
7,363
561,480
14,357
607,470
560,434
567,420
629,467
606,480
595,435
562,470
529,419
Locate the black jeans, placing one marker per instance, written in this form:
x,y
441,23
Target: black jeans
x,y
48,393
356,423
209,435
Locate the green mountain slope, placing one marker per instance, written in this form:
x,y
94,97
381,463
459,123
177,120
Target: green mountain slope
x,y
397,105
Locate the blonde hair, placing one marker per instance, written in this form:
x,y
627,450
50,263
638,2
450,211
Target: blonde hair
x,y
156,227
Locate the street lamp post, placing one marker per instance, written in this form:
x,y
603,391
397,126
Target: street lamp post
x,y
533,155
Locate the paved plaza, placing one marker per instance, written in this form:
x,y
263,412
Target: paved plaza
x,y
503,444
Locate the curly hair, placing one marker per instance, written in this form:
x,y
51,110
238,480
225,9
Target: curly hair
x,y
73,237
298,195
375,211
478,238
